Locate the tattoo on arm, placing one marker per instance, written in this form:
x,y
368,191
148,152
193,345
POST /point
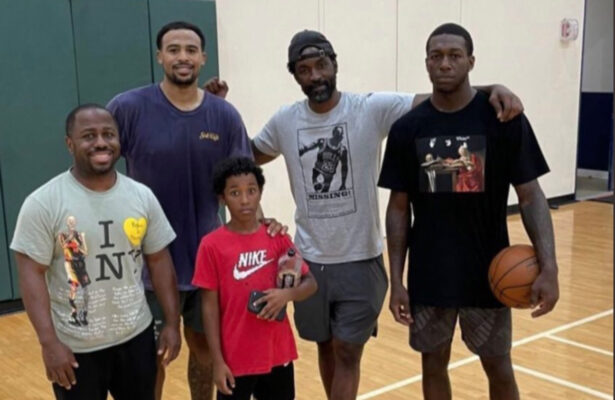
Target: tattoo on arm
x,y
397,222
537,222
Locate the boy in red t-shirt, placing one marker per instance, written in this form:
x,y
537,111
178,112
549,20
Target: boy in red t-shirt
x,y
252,353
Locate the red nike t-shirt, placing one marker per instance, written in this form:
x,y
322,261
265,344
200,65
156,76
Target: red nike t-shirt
x,y
234,265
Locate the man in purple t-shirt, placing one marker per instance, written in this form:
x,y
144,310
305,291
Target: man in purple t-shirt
x,y
172,134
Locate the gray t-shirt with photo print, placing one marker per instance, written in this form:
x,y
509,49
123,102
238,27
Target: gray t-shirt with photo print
x,y
333,161
93,244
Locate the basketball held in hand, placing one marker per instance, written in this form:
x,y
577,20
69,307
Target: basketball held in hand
x,y
512,273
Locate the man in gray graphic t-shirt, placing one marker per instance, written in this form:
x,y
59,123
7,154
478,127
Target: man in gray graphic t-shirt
x,y
80,242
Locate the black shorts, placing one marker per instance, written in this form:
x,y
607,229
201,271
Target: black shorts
x,y
127,371
279,384
487,332
189,308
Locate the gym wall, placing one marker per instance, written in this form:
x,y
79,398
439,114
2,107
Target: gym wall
x,y
381,47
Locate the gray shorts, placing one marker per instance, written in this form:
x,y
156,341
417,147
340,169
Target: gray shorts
x,y
347,303
486,331
189,308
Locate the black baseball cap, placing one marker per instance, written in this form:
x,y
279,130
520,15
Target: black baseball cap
x,y
303,39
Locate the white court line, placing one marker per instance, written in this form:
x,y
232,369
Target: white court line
x,y
563,382
581,345
470,359
563,327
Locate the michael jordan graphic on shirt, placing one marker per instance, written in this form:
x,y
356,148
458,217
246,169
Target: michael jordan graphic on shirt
x,y
327,173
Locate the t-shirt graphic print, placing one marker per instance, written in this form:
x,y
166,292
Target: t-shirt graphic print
x,y
250,262
451,164
327,171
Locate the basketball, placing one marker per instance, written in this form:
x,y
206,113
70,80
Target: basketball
x,y
512,273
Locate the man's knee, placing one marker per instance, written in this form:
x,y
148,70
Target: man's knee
x,y
436,362
499,368
325,347
197,344
347,354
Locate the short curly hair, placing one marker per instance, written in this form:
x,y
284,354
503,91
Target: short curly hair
x,y
453,29
236,166
173,26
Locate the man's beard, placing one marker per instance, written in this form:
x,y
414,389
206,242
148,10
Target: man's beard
x,y
182,82
320,95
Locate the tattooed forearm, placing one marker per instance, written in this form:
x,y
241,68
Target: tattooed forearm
x,y
537,221
397,221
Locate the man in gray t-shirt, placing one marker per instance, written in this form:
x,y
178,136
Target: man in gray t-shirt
x,y
80,242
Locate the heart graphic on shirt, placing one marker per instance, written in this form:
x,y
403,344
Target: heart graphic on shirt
x,y
135,230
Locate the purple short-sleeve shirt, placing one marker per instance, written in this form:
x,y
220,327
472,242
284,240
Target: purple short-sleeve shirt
x,y
174,152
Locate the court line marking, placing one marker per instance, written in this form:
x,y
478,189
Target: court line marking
x,y
563,382
581,345
468,360
563,327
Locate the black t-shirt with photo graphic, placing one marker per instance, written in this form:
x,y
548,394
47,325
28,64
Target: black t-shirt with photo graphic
x,y
457,169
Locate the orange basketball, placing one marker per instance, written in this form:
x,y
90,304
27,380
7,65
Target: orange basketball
x,y
512,273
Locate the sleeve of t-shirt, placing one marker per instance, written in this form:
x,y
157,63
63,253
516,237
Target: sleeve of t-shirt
x,y
159,231
239,144
34,235
527,160
395,173
267,140
123,123
388,107
205,273
287,243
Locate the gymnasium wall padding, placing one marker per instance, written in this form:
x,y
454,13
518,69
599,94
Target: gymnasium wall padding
x,y
111,47
39,88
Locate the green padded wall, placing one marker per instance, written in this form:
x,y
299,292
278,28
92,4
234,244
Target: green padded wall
x,y
199,12
112,47
38,81
6,286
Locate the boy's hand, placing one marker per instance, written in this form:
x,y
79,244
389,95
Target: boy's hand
x,y
223,378
169,344
274,227
276,299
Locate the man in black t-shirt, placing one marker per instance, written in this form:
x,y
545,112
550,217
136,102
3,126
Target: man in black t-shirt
x,y
451,162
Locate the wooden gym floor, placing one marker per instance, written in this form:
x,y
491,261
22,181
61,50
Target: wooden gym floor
x,y
567,354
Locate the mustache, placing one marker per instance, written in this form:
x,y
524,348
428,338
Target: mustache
x,y
313,86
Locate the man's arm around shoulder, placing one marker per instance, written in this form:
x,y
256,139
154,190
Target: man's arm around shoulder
x,y
506,104
259,157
